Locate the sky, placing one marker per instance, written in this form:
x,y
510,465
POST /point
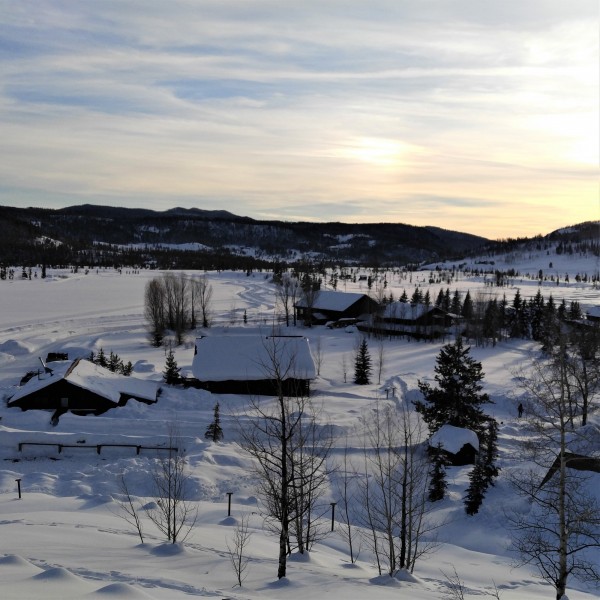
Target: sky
x,y
476,116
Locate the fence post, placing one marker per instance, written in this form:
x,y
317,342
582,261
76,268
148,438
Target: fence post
x,y
19,487
333,514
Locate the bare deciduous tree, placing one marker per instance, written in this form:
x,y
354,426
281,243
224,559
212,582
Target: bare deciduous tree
x,y
346,487
318,354
286,294
394,488
127,507
203,292
154,310
290,447
173,513
562,525
237,549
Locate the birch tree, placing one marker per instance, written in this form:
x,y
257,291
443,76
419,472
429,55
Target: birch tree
x,y
561,529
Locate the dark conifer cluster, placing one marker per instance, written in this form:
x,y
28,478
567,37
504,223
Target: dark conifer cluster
x,y
113,362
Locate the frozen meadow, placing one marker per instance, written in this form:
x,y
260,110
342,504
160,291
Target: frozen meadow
x,y
65,539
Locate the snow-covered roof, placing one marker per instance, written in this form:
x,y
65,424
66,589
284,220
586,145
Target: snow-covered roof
x,y
89,376
330,300
452,439
252,357
405,310
593,312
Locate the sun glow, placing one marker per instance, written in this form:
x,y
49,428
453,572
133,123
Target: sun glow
x,y
381,152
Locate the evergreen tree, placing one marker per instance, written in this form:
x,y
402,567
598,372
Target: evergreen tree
x,y
485,470
114,362
171,372
456,304
126,369
214,431
491,321
536,311
478,485
439,301
458,397
427,299
550,332
362,364
437,475
101,359
403,297
417,296
467,310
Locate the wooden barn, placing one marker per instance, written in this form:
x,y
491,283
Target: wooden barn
x,y
460,445
253,364
332,306
414,320
80,387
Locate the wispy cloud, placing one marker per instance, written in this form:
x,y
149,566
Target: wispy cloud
x,y
438,113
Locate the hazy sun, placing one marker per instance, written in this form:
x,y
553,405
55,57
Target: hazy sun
x,y
376,151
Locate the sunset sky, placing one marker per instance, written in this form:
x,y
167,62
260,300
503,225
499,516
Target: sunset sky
x,y
473,115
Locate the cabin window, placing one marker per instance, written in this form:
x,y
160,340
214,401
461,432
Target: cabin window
x,y
64,403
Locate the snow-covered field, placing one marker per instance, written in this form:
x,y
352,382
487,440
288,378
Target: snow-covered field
x,y
64,539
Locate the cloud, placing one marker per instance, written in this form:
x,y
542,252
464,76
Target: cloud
x,y
337,109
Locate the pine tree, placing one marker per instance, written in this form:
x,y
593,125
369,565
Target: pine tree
x,y
171,372
214,431
362,364
458,397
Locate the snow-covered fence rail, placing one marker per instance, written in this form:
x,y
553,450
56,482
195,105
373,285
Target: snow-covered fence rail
x,y
98,447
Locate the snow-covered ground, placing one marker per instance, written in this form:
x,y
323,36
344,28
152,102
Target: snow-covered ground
x,y
64,539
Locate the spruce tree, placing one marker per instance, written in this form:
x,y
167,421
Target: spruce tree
x,y
437,474
101,359
457,399
114,362
362,364
478,484
485,470
171,372
126,368
214,431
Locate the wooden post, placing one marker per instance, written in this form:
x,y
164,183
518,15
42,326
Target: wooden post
x,y
333,514
19,487
229,494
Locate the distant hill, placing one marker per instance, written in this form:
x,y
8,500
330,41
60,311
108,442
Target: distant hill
x,y
100,235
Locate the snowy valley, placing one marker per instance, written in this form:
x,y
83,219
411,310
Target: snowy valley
x,y
66,537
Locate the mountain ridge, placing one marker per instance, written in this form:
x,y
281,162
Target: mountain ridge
x,y
95,234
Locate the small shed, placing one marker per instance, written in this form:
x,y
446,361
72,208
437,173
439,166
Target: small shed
x,y
253,364
80,387
330,305
460,445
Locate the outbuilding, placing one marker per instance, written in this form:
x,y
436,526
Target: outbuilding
x,y
460,445
253,364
